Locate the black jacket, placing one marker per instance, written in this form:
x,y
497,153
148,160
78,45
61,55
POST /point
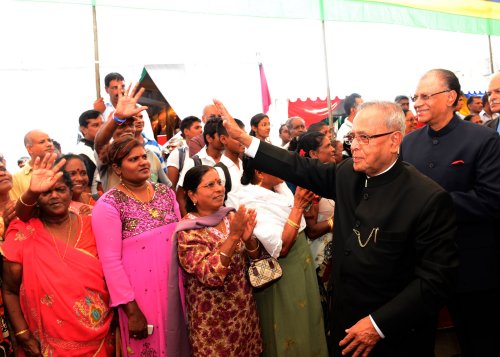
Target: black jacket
x,y
403,276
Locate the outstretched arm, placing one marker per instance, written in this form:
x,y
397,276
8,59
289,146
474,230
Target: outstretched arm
x,y
43,177
125,108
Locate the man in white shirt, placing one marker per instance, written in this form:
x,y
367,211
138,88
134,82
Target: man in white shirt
x,y
230,159
351,103
90,122
114,83
487,114
475,104
209,155
296,126
189,128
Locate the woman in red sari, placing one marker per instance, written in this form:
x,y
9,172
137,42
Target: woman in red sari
x,y
54,288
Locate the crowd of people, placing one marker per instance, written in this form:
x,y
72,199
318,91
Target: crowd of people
x,y
116,247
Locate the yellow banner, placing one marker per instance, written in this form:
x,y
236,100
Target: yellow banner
x,y
476,8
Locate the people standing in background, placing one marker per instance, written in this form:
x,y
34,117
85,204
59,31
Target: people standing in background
x,y
403,101
37,144
494,101
411,121
284,135
260,126
114,84
90,122
487,114
351,103
474,104
190,128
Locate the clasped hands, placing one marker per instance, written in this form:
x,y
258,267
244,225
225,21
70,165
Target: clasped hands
x,y
242,223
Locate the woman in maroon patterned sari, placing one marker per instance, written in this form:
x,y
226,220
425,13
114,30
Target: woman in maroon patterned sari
x,y
222,314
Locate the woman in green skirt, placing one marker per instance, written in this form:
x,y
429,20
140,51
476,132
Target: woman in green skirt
x,y
290,308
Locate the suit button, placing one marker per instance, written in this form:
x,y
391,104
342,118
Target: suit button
x,y
365,196
431,165
357,224
347,252
435,141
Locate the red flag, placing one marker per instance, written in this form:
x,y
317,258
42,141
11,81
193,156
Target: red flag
x,y
266,97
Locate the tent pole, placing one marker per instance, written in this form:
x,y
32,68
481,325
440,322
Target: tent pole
x,y
492,69
325,54
96,53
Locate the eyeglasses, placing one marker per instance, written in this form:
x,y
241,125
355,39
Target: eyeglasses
x,y
496,91
211,185
425,97
363,138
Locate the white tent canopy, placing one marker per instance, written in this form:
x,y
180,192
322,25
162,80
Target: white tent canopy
x,y
48,77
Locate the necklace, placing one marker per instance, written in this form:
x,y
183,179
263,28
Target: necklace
x,y
373,233
153,212
67,239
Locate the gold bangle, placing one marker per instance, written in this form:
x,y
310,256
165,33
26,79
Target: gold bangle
x,y
292,224
253,250
330,223
25,204
224,254
21,332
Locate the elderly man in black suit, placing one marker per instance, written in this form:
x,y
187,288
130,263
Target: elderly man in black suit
x,y
464,159
394,252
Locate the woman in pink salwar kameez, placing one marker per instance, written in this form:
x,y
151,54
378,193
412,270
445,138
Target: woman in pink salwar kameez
x,y
133,224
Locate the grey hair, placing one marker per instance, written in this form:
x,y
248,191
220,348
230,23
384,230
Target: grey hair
x,y
290,121
394,117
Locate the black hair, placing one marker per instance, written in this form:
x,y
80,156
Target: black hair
x,y
191,182
86,116
316,126
469,117
400,98
221,129
68,157
67,179
256,119
56,145
113,76
484,99
292,145
187,123
471,99
248,175
210,127
350,102
310,141
451,80
281,128
115,152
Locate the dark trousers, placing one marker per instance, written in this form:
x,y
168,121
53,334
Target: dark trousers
x,y
476,317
